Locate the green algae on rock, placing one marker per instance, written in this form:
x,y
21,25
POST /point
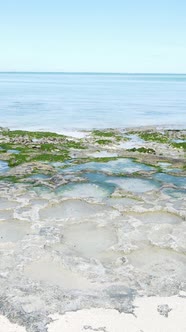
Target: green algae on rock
x,y
142,150
154,136
103,141
51,148
30,134
181,145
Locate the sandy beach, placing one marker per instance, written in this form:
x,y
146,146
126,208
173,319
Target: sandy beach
x,y
151,314
154,314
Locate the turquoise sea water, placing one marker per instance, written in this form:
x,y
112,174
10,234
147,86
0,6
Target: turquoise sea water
x,y
57,101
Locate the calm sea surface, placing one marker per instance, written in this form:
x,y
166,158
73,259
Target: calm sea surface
x,y
57,101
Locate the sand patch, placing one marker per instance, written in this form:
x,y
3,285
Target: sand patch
x,y
6,326
152,314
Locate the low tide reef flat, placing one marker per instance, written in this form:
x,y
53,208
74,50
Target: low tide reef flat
x,y
94,221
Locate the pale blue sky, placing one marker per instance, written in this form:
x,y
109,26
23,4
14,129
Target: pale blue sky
x,y
93,35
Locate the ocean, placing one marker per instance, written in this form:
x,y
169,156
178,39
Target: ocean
x,y
59,101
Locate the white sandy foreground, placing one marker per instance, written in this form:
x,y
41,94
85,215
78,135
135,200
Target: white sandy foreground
x,y
6,326
146,318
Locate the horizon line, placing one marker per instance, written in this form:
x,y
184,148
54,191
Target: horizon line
x,y
88,72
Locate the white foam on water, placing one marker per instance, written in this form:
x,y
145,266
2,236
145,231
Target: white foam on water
x,y
73,133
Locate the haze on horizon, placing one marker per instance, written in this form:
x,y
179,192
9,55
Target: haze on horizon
x,y
93,36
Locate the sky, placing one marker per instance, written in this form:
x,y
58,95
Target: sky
x,y
125,36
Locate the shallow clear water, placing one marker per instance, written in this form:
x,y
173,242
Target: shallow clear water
x,y
3,166
134,185
175,180
13,151
123,165
57,101
84,190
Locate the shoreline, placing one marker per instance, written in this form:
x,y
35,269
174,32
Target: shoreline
x,y
84,129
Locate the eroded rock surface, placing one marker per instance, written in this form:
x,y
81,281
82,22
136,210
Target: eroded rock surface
x,y
94,231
